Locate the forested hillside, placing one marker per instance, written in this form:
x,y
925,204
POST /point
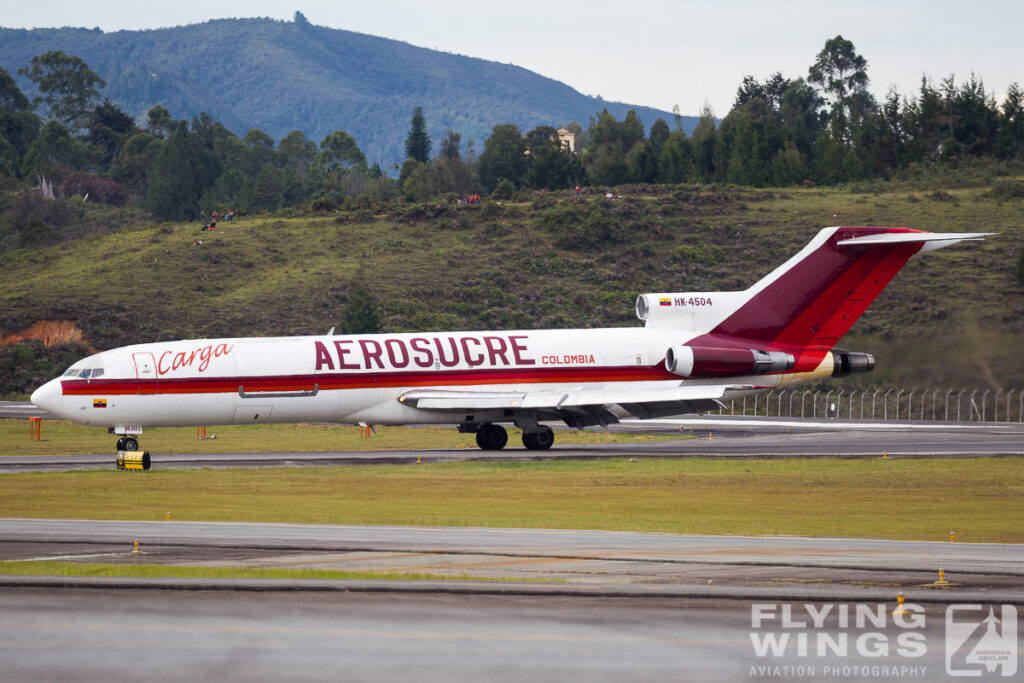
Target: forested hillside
x,y
102,218
285,76
542,259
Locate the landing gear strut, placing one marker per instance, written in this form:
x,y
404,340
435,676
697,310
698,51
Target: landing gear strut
x,y
539,440
491,437
127,443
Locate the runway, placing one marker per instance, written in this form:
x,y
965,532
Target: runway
x,y
506,604
707,438
605,605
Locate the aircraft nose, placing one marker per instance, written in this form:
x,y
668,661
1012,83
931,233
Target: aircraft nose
x,y
47,396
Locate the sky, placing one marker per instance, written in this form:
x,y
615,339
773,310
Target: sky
x,y
657,53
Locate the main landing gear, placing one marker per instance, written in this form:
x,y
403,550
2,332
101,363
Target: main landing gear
x,y
539,440
492,437
127,443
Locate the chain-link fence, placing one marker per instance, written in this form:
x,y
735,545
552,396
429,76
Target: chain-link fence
x,y
940,405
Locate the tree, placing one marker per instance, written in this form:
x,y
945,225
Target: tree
x,y
1011,124
184,169
450,145
842,74
295,153
704,141
66,85
52,148
503,157
134,160
11,98
771,91
159,121
417,143
19,126
362,313
339,151
551,165
107,129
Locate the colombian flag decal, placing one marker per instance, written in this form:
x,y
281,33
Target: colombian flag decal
x,y
99,403
664,302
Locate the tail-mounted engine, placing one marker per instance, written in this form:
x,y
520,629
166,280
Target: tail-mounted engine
x,y
706,361
848,362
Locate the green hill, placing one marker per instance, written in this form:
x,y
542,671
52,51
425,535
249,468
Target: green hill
x,y
284,76
948,319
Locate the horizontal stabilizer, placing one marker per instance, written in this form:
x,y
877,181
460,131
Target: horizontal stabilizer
x,y
934,240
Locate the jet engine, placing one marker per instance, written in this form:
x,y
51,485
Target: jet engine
x,y
848,362
707,361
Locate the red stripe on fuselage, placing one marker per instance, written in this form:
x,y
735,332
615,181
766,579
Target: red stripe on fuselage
x,y
367,380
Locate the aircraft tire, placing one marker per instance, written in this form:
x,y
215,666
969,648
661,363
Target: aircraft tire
x,y
491,437
540,440
131,444
120,444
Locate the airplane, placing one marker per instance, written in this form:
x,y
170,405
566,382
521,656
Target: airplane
x,y
694,351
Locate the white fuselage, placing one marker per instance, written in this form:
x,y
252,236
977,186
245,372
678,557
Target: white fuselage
x,y
359,378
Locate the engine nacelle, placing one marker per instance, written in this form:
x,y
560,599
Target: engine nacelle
x,y
848,362
707,361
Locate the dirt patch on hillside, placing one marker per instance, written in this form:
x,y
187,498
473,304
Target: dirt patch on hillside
x,y
49,332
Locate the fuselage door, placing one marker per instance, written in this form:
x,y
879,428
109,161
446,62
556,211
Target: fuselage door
x,y
145,372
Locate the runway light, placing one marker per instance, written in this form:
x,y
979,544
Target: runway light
x,y
136,551
168,515
884,456
899,605
952,536
709,436
419,461
942,580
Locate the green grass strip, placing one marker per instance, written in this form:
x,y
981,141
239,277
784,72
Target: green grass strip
x,y
65,438
913,499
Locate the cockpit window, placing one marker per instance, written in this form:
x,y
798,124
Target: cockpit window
x,y
84,373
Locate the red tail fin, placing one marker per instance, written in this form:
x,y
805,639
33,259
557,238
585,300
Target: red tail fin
x,y
807,304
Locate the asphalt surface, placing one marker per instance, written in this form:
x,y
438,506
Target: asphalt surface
x,y
601,605
706,437
580,604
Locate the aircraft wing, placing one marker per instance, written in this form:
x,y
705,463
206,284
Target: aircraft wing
x,y
579,407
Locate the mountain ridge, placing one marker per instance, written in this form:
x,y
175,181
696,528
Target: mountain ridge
x,y
282,76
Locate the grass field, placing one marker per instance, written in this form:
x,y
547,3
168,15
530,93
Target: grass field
x,y
65,438
979,498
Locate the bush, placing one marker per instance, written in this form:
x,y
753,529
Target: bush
x,y
505,190
36,220
1007,189
26,366
98,187
578,230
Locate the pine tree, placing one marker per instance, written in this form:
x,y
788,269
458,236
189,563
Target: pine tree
x,y
361,314
417,144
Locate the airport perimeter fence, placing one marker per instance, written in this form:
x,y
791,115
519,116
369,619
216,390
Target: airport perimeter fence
x,y
938,405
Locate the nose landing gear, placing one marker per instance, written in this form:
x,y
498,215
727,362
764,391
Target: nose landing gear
x,y
127,443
